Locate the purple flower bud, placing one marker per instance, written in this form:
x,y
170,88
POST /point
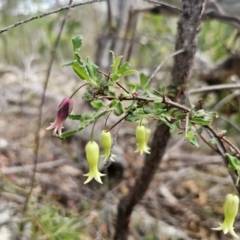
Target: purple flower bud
x,y
64,109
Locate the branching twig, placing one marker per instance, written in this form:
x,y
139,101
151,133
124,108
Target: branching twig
x,y
205,141
119,121
160,65
222,151
163,99
168,7
230,144
225,100
123,88
46,14
214,88
114,142
209,15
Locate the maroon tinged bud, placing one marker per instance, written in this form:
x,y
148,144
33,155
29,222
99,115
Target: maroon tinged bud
x,y
64,109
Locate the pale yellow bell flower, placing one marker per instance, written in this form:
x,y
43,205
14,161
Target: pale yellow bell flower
x,y
92,155
141,138
106,142
230,209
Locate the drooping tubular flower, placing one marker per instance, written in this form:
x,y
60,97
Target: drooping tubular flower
x,y
64,109
142,138
106,141
92,155
230,209
148,133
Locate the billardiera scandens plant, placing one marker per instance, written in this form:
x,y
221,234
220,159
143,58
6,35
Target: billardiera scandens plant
x,y
106,141
92,155
64,109
142,137
230,209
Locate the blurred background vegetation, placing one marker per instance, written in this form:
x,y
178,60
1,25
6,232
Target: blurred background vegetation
x,y
61,207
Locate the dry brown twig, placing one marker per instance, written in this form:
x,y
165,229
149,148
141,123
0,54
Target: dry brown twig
x,y
28,168
212,88
47,14
208,14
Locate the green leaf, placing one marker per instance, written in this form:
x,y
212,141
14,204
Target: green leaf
x,y
136,115
117,106
234,163
200,113
75,117
67,64
113,56
143,79
87,96
110,90
178,124
170,125
128,72
97,104
159,111
180,116
122,71
77,43
146,109
80,69
124,67
115,76
191,137
92,68
132,87
158,100
201,121
116,64
68,133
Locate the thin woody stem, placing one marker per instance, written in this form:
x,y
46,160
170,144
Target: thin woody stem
x,y
115,124
223,139
164,99
91,138
105,124
78,89
205,140
123,88
45,14
230,144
